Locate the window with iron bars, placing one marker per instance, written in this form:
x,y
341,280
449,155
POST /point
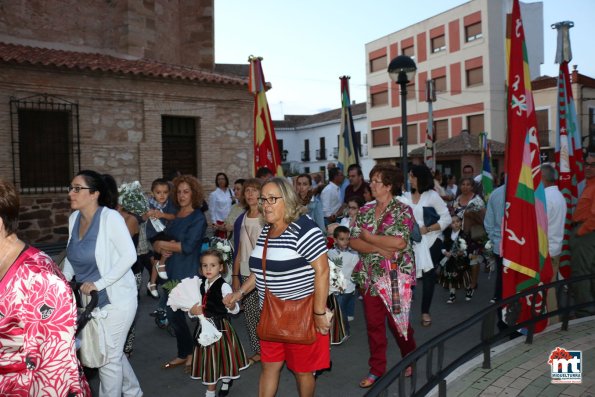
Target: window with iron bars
x,y
45,143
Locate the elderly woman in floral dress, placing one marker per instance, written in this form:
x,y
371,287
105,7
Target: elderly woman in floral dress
x,y
381,236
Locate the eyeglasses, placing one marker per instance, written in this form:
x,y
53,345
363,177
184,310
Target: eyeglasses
x,y
587,164
379,182
353,208
269,200
77,189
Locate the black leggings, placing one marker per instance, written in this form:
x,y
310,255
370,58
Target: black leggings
x,y
429,277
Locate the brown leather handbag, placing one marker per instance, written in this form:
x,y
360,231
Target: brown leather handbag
x,y
285,321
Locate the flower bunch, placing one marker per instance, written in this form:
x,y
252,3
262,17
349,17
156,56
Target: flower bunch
x,y
336,277
224,247
462,244
132,198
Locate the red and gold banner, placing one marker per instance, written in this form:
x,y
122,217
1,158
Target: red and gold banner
x,y
266,150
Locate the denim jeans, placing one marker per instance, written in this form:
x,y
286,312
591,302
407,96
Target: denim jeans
x,y
178,322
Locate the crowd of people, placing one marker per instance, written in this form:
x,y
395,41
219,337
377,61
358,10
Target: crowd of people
x,y
320,246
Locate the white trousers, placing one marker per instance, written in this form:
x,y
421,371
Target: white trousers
x,y
117,377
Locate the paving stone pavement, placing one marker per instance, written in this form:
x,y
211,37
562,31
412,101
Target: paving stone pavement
x,y
527,366
520,369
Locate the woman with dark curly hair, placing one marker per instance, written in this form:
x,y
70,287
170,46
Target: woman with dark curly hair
x,y
183,253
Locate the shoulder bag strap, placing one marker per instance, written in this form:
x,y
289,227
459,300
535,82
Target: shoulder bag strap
x,y
264,258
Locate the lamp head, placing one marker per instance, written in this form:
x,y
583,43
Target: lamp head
x,y
402,69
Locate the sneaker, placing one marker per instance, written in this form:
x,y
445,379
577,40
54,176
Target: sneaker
x,y
452,298
493,300
469,294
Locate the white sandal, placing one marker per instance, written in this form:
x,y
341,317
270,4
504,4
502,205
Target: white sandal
x,y
152,288
162,273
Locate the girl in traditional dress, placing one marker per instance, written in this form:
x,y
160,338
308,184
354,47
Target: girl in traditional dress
x,y
224,359
456,272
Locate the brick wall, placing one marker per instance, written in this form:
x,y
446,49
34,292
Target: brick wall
x,y
44,218
171,31
120,131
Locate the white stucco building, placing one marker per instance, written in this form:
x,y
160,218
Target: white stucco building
x,y
309,142
463,50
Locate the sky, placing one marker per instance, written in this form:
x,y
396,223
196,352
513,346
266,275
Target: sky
x,y
307,45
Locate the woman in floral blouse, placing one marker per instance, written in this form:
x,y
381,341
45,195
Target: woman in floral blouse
x,y
381,236
38,316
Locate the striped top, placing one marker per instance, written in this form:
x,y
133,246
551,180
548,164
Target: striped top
x,y
289,273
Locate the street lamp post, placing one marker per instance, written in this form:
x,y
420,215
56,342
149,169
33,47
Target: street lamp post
x,y
402,70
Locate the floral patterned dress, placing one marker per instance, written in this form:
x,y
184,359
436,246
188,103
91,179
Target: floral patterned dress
x,y
372,272
37,325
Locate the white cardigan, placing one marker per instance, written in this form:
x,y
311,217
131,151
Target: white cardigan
x,y
429,198
114,253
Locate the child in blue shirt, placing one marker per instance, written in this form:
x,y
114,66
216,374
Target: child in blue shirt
x,y
341,253
161,211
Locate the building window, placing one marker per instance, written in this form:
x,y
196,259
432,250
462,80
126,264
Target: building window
x,y
381,137
438,44
321,153
440,130
543,127
411,90
306,170
45,149
475,124
283,153
409,51
412,134
306,152
473,32
474,76
178,137
378,64
379,98
440,84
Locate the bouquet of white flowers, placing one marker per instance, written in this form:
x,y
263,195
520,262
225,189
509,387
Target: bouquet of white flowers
x,y
462,244
132,198
336,277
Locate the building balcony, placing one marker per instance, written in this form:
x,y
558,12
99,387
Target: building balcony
x,y
336,152
321,154
306,155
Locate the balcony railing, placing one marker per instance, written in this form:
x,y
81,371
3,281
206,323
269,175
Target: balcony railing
x,y
321,154
336,152
306,155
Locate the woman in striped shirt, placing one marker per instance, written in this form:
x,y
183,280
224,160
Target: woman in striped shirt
x,y
297,266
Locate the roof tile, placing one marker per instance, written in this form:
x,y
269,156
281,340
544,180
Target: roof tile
x,y
73,60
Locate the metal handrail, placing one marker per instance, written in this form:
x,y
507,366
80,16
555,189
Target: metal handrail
x,y
488,338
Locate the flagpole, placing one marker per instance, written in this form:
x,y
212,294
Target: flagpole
x,y
569,156
430,153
